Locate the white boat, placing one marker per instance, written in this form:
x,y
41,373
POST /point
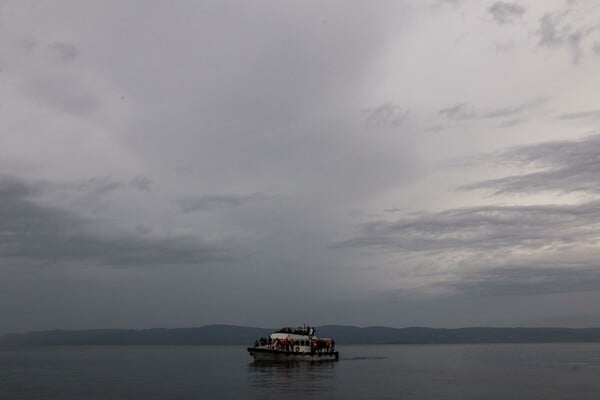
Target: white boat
x,y
294,344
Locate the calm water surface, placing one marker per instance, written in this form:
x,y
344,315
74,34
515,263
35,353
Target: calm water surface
x,y
532,371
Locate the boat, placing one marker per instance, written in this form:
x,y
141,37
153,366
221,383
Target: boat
x,y
294,344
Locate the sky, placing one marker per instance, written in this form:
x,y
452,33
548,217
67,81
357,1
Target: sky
x,y
398,163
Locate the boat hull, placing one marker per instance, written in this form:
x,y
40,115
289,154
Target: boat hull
x,y
279,355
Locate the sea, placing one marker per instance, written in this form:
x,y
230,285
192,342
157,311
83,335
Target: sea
x,y
474,371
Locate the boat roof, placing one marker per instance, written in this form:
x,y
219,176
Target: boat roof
x,y
295,331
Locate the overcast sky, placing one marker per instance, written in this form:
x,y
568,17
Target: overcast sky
x,y
265,163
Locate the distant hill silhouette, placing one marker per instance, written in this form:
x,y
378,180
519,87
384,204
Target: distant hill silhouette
x,y
239,335
206,335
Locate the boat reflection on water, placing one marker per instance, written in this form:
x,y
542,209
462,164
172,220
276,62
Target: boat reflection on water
x,y
293,377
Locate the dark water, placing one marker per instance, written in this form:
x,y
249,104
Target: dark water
x,y
534,371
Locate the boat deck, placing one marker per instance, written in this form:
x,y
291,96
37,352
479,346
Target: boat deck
x,y
267,354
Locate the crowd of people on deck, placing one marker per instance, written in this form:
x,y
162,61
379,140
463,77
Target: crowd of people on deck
x,y
301,330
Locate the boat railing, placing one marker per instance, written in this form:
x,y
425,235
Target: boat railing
x,y
313,345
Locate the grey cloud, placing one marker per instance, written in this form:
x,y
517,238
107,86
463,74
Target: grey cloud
x,y
464,111
225,100
205,203
36,233
14,188
574,43
505,46
58,85
142,183
574,319
568,166
557,31
64,93
528,280
434,128
484,228
549,32
581,115
99,186
502,112
512,122
387,115
26,44
504,13
66,52
521,108
454,3
596,48
250,116
96,187
394,210
458,111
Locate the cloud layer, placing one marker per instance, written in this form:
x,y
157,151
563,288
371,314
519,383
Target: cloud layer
x,y
566,167
50,236
178,163
504,13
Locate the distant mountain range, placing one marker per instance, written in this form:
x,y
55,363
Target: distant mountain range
x,y
239,335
